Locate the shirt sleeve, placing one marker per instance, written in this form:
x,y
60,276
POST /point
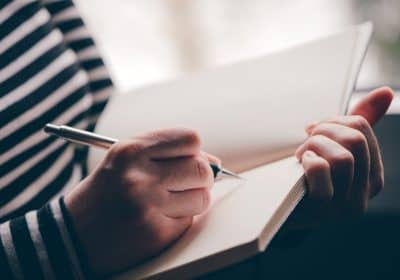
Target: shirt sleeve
x,y
40,245
76,36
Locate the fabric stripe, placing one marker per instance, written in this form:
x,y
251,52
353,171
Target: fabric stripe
x,y
102,95
69,177
51,40
5,269
53,84
25,44
88,53
91,64
100,84
65,118
98,107
32,69
98,73
50,71
77,34
4,3
38,195
15,14
24,249
53,244
70,24
63,61
77,98
67,13
55,207
9,7
81,44
36,237
56,7
9,177
76,83
24,29
19,184
43,181
8,245
35,150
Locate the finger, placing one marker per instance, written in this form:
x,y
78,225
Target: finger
x,y
171,143
375,159
212,158
318,176
185,173
187,203
340,160
373,106
355,142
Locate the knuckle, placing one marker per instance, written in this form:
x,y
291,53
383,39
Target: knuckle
x,y
345,159
315,140
320,128
319,192
189,136
360,123
356,141
317,167
203,169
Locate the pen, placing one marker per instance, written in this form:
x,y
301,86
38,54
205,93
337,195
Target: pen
x,y
92,139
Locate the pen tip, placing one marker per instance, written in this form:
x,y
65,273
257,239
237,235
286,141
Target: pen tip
x,y
231,174
51,128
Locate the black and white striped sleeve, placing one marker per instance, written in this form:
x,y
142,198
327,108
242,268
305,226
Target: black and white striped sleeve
x,y
39,245
65,16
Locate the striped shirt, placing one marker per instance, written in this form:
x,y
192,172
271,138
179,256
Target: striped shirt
x,y
50,71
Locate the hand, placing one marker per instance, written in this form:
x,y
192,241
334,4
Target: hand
x,y
342,162
141,198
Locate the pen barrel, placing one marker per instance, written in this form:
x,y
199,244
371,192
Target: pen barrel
x,y
86,138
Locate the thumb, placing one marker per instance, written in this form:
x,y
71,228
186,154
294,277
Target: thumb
x,y
373,106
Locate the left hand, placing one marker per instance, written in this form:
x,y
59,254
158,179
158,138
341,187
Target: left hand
x,y
342,162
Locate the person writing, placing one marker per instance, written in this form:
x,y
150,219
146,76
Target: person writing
x,y
144,194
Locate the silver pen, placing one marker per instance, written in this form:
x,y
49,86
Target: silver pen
x,y
92,139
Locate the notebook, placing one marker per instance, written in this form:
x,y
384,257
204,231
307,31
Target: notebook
x,y
252,115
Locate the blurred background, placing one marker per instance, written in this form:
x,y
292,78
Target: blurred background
x,y
144,41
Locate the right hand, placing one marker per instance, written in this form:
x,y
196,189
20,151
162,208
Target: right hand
x,y
140,198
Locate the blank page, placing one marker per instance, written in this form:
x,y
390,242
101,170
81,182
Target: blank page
x,y
248,113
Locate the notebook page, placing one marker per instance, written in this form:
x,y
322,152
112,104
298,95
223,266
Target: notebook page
x,y
248,113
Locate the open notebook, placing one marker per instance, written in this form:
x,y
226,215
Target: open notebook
x,y
252,115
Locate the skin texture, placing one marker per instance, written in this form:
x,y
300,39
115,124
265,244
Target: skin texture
x,y
144,194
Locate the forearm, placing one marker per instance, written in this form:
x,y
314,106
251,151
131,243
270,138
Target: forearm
x,y
39,245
